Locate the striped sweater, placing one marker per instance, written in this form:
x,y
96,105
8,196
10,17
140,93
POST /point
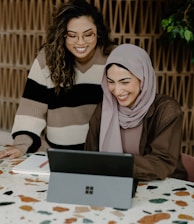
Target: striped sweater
x,y
65,117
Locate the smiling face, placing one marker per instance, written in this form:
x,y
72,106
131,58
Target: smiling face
x,y
123,85
81,38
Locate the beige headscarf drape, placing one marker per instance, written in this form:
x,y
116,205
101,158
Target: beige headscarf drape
x,y
138,62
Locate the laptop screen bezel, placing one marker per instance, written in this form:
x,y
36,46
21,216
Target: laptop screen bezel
x,y
90,162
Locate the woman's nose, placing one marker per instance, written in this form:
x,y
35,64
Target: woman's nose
x,y
117,89
81,40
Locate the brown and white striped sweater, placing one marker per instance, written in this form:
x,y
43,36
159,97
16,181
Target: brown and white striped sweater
x,y
64,117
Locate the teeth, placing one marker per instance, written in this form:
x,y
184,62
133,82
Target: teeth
x,y
80,49
121,97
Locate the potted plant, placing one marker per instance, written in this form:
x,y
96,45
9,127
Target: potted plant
x,y
179,23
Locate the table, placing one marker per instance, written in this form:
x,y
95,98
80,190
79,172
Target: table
x,y
23,200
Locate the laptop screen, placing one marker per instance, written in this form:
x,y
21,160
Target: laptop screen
x,y
91,178
89,162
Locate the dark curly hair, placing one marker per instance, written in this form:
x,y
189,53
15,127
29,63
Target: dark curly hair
x,y
59,60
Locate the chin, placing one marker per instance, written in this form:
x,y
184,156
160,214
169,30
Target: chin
x,y
123,104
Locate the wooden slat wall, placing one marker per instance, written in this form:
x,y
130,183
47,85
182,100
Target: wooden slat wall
x,y
22,31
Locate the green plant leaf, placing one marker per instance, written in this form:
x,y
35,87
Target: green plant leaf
x,y
181,33
170,28
174,32
164,23
171,20
188,35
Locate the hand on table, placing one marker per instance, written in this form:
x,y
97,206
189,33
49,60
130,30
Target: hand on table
x,y
12,152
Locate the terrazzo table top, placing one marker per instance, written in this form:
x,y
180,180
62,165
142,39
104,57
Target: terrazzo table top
x,y
23,200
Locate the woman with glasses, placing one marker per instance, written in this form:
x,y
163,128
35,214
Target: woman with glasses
x,y
63,86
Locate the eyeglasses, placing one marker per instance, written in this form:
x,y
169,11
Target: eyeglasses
x,y
73,38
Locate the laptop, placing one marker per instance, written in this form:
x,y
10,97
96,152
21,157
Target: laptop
x,y
91,178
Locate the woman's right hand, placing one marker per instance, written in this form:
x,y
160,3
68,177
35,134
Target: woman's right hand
x,y
11,152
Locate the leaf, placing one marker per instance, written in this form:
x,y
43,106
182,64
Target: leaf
x,y
171,20
175,32
164,23
181,33
188,35
170,28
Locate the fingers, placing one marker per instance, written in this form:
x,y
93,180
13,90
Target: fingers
x,y
4,154
11,153
15,153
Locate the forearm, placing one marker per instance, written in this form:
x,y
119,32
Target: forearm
x,y
23,142
162,154
92,139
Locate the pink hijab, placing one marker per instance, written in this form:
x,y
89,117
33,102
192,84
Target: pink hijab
x,y
114,116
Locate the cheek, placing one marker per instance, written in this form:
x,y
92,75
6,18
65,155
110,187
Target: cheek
x,y
68,46
93,44
95,41
137,88
109,87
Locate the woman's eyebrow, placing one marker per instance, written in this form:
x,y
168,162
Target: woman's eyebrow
x,y
123,79
109,78
77,32
120,80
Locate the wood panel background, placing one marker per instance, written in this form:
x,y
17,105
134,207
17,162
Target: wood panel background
x,y
22,30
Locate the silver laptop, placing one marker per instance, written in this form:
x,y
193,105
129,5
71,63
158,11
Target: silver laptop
x,y
91,178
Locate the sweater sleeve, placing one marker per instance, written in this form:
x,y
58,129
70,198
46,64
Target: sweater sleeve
x,y
162,151
92,139
30,119
23,142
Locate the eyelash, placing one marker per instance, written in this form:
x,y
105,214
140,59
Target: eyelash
x,y
111,82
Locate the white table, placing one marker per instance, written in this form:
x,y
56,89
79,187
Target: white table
x,y
23,200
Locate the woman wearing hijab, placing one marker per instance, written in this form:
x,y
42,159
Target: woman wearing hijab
x,y
134,119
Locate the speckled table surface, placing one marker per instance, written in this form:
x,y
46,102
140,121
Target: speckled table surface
x,y
23,200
